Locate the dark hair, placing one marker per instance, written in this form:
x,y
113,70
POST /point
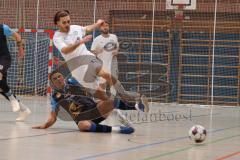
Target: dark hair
x,y
50,79
52,73
59,14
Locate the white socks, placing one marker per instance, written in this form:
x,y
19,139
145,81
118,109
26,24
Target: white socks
x,y
116,129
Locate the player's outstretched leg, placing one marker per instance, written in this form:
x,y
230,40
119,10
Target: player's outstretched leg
x,y
89,120
15,103
122,118
90,126
112,81
126,95
8,94
24,112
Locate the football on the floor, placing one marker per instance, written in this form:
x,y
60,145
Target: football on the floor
x,y
197,133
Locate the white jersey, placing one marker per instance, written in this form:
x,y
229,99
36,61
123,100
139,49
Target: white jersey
x,y
61,40
107,45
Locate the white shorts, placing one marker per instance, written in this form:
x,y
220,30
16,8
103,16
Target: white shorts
x,y
111,68
79,75
84,70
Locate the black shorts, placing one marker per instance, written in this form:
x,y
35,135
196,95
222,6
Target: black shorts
x,y
87,105
98,120
5,63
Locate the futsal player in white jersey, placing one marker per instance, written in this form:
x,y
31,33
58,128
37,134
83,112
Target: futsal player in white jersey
x,y
105,47
84,65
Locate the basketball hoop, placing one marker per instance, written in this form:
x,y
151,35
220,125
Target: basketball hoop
x,y
179,6
179,12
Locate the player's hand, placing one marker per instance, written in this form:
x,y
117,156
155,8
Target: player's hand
x,y
39,127
100,22
20,53
87,38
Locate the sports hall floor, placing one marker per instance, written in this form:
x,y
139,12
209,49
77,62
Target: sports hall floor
x,y
164,138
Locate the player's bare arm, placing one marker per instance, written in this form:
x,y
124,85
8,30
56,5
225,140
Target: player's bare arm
x,y
20,44
94,26
70,48
51,120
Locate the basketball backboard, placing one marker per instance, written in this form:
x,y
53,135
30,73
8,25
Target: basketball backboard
x,y
187,4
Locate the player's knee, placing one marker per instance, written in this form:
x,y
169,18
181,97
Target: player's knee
x,y
110,78
109,102
84,126
107,76
98,69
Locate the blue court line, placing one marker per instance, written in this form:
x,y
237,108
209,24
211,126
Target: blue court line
x,y
38,135
147,145
196,116
185,148
204,115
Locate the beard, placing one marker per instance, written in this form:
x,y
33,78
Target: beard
x,y
105,31
67,28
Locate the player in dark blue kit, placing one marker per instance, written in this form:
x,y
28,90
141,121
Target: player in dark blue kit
x,y
5,63
87,114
